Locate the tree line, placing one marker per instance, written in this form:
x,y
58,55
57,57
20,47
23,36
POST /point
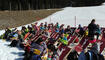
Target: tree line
x,y
43,4
76,3
32,4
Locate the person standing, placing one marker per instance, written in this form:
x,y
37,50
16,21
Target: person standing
x,y
92,27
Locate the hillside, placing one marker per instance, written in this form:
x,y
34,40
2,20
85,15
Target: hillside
x,y
18,18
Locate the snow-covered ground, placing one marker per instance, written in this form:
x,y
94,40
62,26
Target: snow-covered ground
x,y
83,15
68,16
10,53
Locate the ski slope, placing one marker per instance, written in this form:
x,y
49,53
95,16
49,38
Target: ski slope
x,y
82,15
68,16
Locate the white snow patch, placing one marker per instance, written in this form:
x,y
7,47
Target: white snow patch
x,y
10,53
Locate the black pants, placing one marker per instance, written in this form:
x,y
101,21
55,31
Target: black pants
x,y
91,36
14,43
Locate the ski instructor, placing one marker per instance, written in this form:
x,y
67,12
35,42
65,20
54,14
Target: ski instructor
x,y
92,27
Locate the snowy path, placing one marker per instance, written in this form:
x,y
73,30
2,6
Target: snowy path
x,y
9,53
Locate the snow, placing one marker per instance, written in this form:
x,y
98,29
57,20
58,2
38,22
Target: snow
x,y
83,15
10,53
2,31
68,16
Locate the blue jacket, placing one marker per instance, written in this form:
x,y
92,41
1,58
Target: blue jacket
x,y
82,56
42,28
36,57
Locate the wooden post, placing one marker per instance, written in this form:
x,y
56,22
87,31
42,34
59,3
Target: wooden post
x,y
75,21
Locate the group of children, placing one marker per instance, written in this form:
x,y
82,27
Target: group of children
x,y
41,42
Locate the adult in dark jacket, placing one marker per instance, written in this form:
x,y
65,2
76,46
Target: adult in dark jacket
x,y
92,27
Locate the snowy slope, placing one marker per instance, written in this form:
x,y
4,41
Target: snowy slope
x,y
82,15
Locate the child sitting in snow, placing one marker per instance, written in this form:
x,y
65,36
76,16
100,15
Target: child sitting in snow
x,y
17,39
14,40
